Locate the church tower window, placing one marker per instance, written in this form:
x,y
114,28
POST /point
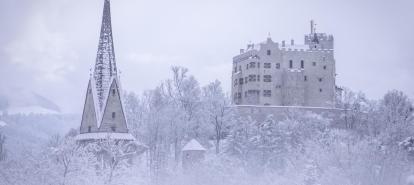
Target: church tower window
x,y
302,64
113,115
290,64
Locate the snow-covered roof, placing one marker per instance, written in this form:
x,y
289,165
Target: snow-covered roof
x,y
104,135
193,145
2,123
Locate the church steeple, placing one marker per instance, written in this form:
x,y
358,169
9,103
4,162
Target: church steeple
x,y
105,66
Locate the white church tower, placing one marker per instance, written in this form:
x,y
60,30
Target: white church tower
x,y
103,112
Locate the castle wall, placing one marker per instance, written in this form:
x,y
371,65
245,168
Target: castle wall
x,y
299,74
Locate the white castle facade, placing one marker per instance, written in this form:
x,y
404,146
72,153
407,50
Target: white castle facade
x,y
286,74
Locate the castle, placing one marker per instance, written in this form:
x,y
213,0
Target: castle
x,y
286,74
103,114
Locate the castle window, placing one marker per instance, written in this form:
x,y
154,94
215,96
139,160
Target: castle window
x,y
305,78
278,86
277,65
252,64
290,64
252,78
113,128
302,64
267,93
235,82
314,63
268,52
113,115
320,90
267,65
324,67
258,78
267,78
89,129
320,79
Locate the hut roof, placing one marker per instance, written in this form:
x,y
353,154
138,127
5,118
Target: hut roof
x,y
193,145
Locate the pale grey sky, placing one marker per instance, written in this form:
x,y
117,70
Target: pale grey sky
x,y
48,46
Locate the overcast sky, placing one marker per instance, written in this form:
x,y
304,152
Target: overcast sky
x,y
48,46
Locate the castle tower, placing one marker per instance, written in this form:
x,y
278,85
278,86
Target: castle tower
x,y
103,114
285,75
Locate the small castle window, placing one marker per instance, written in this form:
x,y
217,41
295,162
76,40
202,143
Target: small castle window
x,y
268,52
290,64
324,67
89,129
266,104
241,81
320,90
305,78
235,82
113,115
314,63
267,65
320,79
267,93
252,78
113,128
252,65
267,78
277,65
302,64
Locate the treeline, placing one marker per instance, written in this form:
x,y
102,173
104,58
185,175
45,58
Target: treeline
x,y
370,142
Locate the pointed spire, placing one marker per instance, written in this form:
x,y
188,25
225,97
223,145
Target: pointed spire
x,y
105,66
